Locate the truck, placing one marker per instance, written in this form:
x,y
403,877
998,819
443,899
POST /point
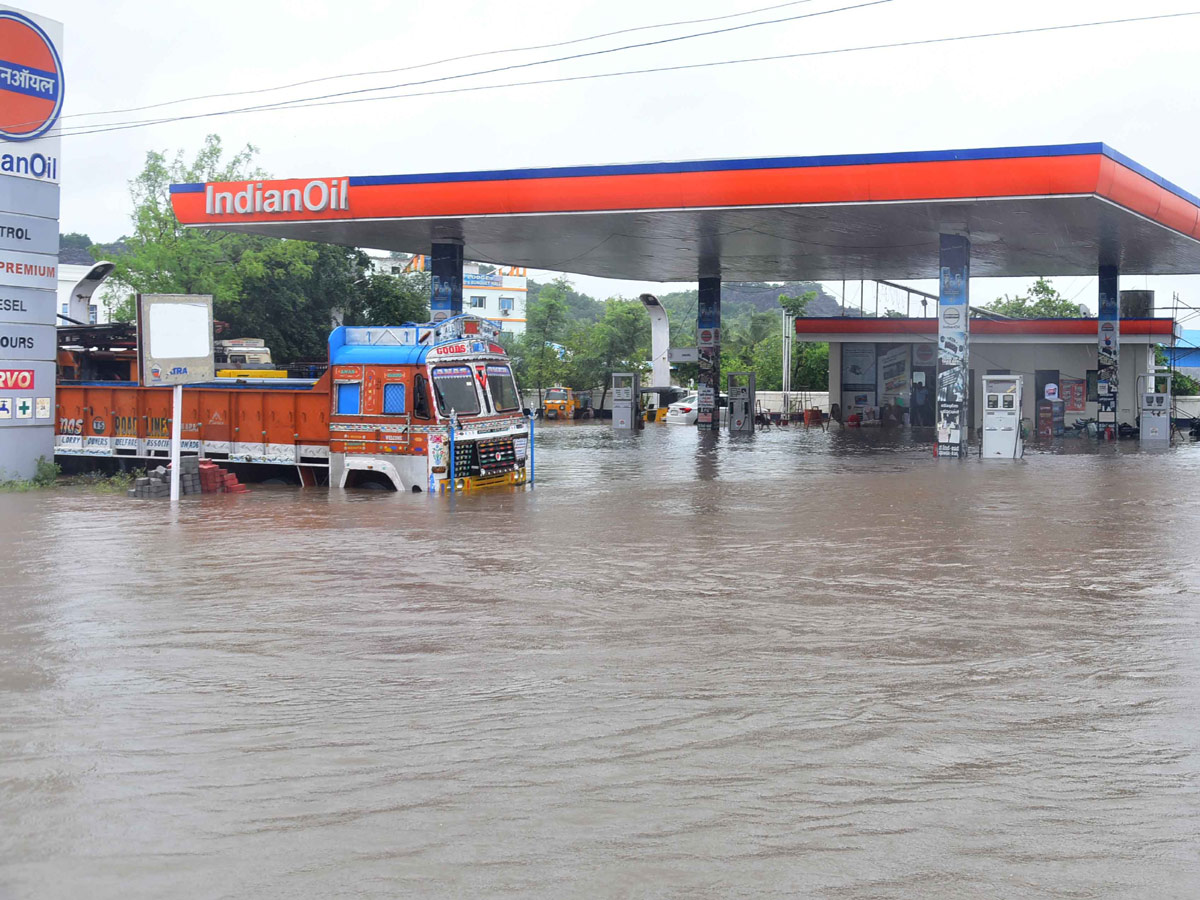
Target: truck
x,y
416,407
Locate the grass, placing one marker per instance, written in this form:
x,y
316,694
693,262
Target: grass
x,y
49,475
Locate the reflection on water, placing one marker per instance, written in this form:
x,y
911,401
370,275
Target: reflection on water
x,y
795,664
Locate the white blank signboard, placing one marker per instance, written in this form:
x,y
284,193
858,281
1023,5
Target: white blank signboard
x,y
175,337
179,330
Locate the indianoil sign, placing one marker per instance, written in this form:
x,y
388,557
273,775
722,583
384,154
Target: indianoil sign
x,y
31,99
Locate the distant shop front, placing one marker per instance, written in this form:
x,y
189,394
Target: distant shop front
x,y
886,369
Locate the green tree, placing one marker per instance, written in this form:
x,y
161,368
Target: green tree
x,y
546,319
390,299
797,306
1042,301
620,341
73,240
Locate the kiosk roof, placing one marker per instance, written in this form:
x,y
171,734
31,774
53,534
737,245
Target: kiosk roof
x,y
1046,210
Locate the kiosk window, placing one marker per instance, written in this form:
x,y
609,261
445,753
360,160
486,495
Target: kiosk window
x,y
454,389
393,399
993,401
1008,401
347,399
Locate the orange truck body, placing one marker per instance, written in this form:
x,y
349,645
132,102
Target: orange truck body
x,y
398,430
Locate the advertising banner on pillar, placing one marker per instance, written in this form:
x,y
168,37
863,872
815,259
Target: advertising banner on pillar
x,y
1108,346
953,326
446,281
708,345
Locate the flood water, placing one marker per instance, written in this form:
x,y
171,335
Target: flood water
x,y
789,664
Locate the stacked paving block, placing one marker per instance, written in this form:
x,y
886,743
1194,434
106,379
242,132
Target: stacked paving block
x,y
196,476
215,480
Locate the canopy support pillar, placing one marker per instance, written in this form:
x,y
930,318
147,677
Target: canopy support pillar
x,y
446,279
1108,347
954,266
708,341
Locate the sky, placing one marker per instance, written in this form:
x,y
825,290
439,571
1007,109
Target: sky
x,y
1130,86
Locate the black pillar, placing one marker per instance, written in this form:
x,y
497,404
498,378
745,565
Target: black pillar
x,y
445,284
708,340
954,312
1108,346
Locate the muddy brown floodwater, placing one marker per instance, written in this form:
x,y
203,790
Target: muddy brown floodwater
x,y
792,664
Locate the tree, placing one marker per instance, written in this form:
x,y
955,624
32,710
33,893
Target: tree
x,y
1042,301
620,341
73,240
797,306
545,326
391,300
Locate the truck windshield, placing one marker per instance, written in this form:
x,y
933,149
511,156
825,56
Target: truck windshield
x,y
503,388
454,388
556,394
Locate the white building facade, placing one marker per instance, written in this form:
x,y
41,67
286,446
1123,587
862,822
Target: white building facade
x,y
493,292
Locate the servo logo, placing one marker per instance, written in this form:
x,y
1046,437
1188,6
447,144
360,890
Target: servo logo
x,y
31,79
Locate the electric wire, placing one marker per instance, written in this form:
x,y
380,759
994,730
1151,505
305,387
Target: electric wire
x,y
439,62
304,104
542,62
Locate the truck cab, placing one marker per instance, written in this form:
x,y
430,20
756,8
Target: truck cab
x,y
425,407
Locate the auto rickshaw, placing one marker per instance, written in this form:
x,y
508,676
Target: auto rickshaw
x,y
564,403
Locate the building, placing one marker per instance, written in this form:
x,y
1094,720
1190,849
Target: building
x,y
873,362
69,276
494,292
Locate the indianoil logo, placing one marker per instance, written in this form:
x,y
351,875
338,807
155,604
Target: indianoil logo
x,y
31,79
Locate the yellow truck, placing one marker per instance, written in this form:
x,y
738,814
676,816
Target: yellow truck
x,y
564,403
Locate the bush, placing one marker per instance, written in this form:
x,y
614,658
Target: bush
x,y
47,472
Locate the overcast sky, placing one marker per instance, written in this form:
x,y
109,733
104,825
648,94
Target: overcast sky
x,y
1131,86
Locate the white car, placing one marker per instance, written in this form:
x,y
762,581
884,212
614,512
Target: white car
x,y
685,411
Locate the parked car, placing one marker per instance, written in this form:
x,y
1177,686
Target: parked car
x,y
685,411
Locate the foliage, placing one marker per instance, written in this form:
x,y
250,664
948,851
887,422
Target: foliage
x,y
45,474
1042,301
546,324
619,342
286,292
1181,385
74,241
797,305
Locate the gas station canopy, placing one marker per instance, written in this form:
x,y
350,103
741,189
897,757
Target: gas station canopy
x,y
1048,210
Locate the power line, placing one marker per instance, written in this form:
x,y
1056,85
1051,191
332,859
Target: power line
x,y
439,62
300,104
314,100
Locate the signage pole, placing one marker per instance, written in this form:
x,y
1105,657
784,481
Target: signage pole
x,y
176,430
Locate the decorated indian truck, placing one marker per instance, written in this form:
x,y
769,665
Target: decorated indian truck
x,y
429,407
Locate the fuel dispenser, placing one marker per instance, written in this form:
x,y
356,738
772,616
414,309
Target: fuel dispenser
x,y
1154,421
1002,417
627,390
742,400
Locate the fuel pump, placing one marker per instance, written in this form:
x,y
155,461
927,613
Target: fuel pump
x,y
740,387
627,390
1002,417
1154,406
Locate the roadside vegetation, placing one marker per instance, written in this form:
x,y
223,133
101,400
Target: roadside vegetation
x,y
49,475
